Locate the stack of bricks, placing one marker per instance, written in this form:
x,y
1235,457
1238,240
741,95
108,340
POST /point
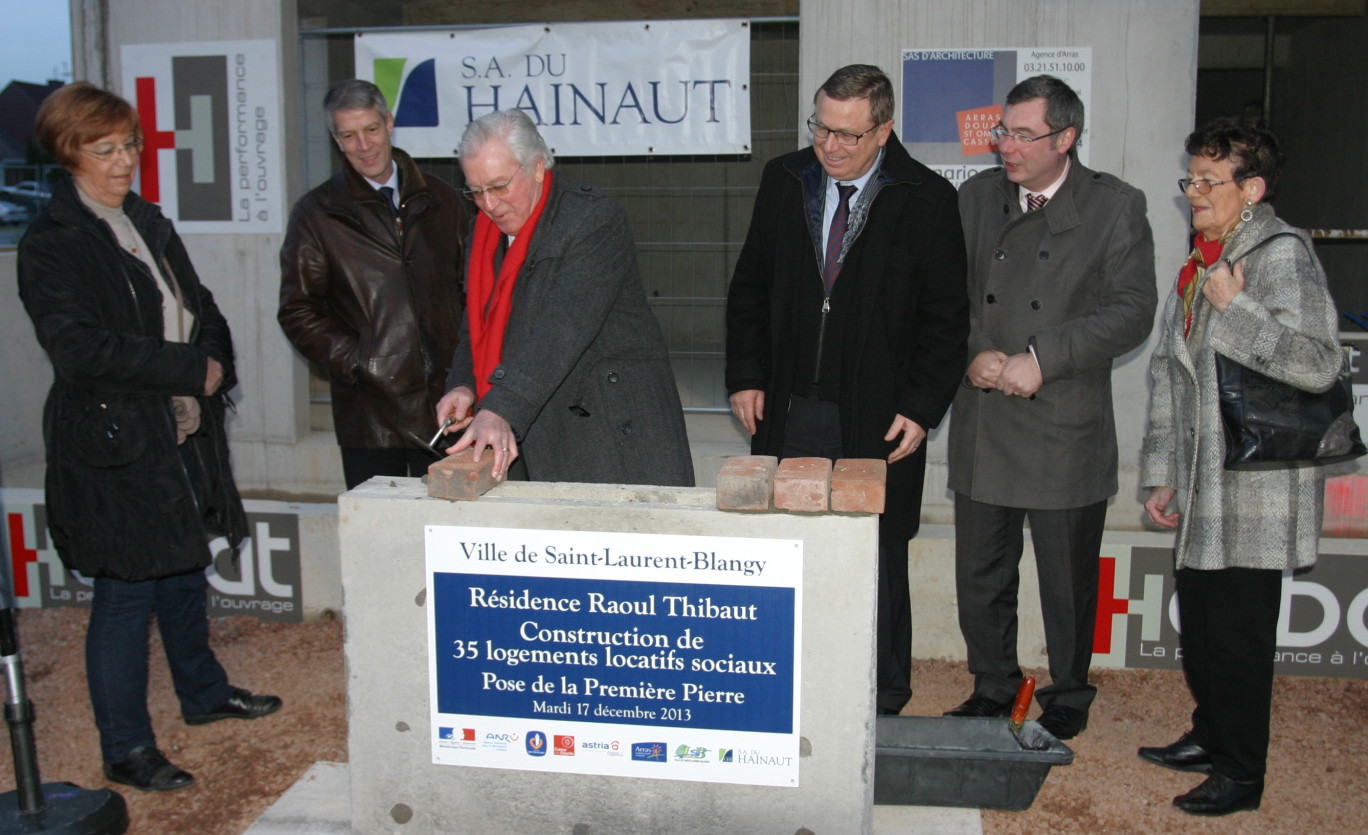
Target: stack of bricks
x,y
759,483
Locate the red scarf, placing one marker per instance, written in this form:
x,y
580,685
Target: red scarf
x,y
489,301
1204,253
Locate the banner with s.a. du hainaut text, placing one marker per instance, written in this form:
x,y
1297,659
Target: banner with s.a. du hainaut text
x,y
622,88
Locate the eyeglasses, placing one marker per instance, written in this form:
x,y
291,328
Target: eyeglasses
x,y
1000,133
474,194
106,152
1202,186
820,132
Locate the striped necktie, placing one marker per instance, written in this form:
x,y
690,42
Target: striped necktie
x,y
1035,202
831,267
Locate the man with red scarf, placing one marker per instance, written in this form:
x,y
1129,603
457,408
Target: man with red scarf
x,y
561,369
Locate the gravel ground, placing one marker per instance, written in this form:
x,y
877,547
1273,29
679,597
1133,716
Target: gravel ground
x,y
1318,761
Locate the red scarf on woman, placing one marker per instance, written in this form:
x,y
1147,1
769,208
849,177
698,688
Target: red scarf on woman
x,y
489,301
1204,253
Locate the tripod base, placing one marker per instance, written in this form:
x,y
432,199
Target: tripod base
x,y
71,810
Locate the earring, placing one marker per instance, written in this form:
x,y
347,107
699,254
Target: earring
x,y
1247,213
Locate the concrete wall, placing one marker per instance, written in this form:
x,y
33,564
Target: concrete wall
x,y
25,375
1144,84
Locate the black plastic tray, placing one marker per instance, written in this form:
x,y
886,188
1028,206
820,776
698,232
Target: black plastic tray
x,y
955,761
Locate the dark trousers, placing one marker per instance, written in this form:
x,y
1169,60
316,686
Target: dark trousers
x,y
812,429
116,656
988,548
1229,623
359,465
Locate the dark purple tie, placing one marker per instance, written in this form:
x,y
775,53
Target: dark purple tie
x,y
832,266
388,194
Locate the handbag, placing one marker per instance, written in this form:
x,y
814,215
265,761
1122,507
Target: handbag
x,y
1271,425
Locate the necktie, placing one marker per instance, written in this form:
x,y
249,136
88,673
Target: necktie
x,y
388,194
1035,201
831,267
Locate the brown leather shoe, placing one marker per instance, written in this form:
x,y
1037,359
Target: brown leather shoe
x,y
147,769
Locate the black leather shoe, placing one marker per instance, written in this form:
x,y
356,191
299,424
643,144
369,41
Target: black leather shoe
x,y
1064,722
146,769
1220,795
240,705
1183,755
981,706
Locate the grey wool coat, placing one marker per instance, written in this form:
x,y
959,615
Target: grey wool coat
x,y
1076,279
584,378
1283,324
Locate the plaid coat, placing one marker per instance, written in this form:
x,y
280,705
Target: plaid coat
x,y
1283,324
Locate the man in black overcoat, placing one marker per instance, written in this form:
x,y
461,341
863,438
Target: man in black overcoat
x,y
851,344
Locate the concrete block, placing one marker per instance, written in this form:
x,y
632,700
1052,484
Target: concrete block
x,y
390,734
803,485
460,477
858,485
746,482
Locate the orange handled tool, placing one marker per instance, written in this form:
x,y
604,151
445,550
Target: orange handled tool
x,y
1023,702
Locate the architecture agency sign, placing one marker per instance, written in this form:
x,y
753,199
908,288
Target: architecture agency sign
x,y
623,654
952,99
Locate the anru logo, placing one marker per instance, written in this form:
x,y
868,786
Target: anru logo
x,y
415,103
199,121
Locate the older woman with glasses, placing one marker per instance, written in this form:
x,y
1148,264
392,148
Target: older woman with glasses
x,y
137,458
1258,296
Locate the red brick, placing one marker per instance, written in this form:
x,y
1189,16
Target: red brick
x,y
459,478
746,482
857,485
803,485
1346,506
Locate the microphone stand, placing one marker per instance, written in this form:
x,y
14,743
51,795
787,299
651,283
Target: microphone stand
x,y
35,807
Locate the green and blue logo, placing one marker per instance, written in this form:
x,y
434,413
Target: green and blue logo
x,y
413,100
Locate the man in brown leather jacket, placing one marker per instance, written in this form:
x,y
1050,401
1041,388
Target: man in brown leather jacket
x,y
371,288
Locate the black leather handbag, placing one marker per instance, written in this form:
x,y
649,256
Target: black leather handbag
x,y
1271,425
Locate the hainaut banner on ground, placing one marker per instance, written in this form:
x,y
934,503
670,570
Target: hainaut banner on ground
x,y
263,579
630,88
952,98
626,654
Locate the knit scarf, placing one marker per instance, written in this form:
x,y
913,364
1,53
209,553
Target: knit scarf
x,y
489,299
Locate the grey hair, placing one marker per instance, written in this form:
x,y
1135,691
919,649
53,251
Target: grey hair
x,y
516,130
354,94
1063,107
